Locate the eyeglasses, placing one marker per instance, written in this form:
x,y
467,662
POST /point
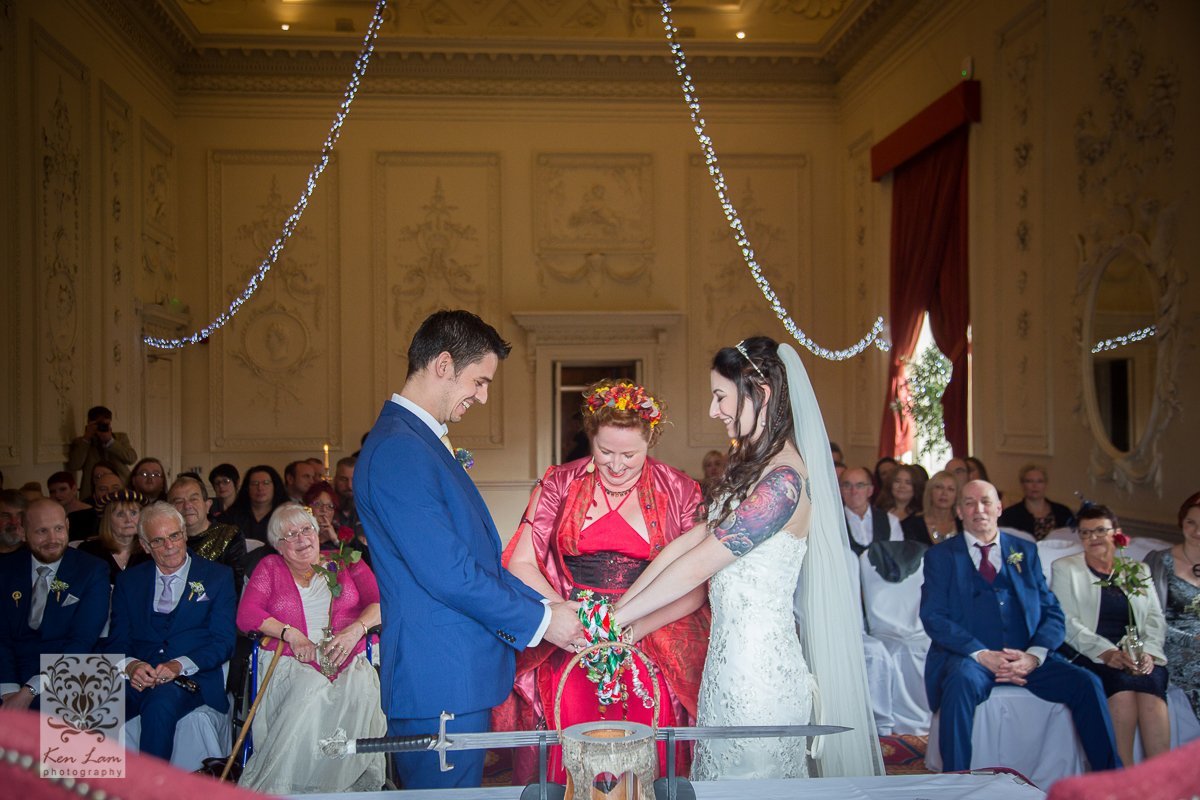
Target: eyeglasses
x,y
260,484
160,542
150,474
222,482
858,486
290,536
322,506
1088,533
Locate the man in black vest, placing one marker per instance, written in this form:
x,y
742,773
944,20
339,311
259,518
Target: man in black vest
x,y
865,523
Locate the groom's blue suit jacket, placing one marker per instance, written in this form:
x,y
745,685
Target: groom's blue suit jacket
x,y
960,611
453,618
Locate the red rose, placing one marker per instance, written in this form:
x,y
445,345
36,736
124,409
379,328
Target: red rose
x,y
345,534
1120,539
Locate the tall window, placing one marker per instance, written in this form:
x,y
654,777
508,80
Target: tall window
x,y
571,378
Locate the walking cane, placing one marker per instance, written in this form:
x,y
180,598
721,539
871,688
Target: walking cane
x,y
262,692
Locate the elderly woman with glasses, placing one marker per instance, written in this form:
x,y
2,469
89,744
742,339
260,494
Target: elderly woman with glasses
x,y
290,598
1096,619
117,544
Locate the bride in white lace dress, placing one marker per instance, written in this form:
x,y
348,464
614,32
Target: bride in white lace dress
x,y
774,520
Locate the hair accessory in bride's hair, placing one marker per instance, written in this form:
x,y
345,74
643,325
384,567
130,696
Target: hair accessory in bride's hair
x,y
741,348
625,396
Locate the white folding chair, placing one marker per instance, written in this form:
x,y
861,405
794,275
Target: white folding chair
x,y
1015,729
202,733
893,617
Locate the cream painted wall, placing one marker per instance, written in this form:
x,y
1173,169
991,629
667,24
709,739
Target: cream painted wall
x,y
312,359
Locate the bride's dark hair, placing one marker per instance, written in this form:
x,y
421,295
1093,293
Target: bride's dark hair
x,y
758,366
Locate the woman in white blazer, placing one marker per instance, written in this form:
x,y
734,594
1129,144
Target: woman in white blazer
x,y
1096,618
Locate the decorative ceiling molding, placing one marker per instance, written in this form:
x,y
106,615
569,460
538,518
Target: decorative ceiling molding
x,y
560,56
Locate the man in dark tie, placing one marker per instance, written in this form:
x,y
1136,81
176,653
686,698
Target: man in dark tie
x,y
55,600
992,619
172,618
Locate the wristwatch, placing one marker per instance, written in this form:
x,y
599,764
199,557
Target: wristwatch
x,y
283,633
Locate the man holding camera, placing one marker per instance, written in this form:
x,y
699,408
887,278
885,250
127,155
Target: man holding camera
x,y
99,443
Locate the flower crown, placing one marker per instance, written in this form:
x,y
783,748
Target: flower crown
x,y
625,396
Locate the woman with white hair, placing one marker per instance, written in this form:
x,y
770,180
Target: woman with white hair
x,y
290,597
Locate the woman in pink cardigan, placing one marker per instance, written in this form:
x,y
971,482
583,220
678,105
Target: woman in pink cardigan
x,y
288,597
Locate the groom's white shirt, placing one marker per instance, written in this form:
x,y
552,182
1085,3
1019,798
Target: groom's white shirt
x,y
440,430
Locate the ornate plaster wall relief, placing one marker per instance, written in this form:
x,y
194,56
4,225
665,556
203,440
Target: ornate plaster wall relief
x,y
437,244
276,386
158,280
12,327
60,124
1125,138
593,219
868,293
1019,277
116,236
773,197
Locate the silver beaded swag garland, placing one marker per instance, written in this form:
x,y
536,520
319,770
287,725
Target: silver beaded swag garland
x,y
293,220
874,336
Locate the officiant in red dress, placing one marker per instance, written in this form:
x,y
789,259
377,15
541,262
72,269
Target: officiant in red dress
x,y
593,525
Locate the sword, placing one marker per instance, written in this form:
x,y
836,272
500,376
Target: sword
x,y
339,745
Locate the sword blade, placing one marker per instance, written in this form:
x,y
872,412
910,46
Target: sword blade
x,y
504,739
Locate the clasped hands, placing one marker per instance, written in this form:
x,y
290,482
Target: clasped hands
x,y
565,629
1009,665
337,650
142,676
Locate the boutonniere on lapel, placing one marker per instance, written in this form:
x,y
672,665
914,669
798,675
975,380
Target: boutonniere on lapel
x,y
464,457
58,587
197,590
1014,560
16,596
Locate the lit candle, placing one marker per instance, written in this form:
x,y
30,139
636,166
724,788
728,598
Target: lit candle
x,y
326,459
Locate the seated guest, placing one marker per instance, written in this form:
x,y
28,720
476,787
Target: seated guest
x,y
343,482
150,478
81,516
32,491
217,542
287,599
224,481
992,619
298,476
1035,513
976,471
865,524
326,509
172,618
712,467
1096,618
12,506
100,470
902,495
936,521
1176,574
262,492
884,468
958,468
117,544
55,601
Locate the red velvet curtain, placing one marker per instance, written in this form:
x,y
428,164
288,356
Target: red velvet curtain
x,y
929,273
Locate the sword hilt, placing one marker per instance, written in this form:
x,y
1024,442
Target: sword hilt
x,y
395,744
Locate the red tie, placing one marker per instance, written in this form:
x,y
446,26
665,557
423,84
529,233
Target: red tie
x,y
986,570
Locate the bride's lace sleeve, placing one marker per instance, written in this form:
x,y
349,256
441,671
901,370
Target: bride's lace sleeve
x,y
764,512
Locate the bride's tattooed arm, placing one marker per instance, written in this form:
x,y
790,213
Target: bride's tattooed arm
x,y
763,513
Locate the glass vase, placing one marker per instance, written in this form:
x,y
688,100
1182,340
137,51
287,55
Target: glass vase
x,y
325,659
1134,647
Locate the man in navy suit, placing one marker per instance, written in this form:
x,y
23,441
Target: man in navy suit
x,y
992,619
55,600
453,618
171,617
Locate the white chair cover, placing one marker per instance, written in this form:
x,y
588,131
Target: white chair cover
x,y
893,617
1051,550
1142,546
1062,535
1015,729
202,733
1020,534
881,669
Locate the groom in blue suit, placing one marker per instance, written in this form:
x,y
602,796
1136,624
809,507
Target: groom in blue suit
x,y
992,619
453,617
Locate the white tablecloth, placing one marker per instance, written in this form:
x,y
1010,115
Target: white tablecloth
x,y
896,787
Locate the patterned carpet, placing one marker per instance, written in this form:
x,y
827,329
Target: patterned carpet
x,y
903,754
